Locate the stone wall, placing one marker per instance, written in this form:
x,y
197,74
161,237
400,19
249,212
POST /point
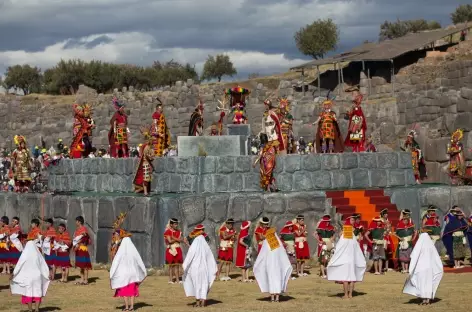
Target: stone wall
x,y
434,97
236,173
147,217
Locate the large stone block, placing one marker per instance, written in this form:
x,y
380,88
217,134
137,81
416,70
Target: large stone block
x,y
225,145
396,178
349,160
321,179
360,178
340,179
367,160
330,161
292,163
387,160
243,130
439,196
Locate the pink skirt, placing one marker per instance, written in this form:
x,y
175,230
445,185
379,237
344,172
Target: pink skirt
x,y
26,300
132,290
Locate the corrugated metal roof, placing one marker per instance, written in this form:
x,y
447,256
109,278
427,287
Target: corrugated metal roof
x,y
389,49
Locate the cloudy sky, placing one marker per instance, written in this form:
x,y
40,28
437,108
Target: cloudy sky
x,y
256,34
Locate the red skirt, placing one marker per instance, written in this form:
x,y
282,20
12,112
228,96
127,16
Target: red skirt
x,y
62,259
174,260
241,259
226,255
26,300
132,290
302,253
82,259
14,255
4,255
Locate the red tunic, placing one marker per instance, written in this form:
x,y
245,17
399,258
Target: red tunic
x,y
15,254
260,237
82,256
302,250
241,250
50,232
4,248
225,252
357,125
62,259
174,254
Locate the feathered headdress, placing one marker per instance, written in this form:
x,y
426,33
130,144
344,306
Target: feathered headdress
x,y
117,225
284,103
146,132
457,135
329,100
116,104
18,139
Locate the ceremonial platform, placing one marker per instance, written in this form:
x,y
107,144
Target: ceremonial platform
x,y
210,189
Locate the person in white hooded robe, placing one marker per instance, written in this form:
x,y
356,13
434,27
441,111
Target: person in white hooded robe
x,y
347,265
425,271
30,279
200,270
127,273
272,268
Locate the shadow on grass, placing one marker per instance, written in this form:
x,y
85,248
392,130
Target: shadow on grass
x,y
354,294
92,280
4,287
281,298
209,302
418,301
137,306
50,309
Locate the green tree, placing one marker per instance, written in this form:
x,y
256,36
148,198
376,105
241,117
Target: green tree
x,y
217,67
462,14
317,38
23,77
399,28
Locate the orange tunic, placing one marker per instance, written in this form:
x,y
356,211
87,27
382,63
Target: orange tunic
x,y
33,234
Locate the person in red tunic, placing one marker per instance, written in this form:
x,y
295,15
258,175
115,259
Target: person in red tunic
x,y
302,250
174,258
4,244
50,235
287,236
243,251
62,244
260,232
118,134
390,261
16,237
35,233
357,124
325,232
227,235
358,228
82,256
159,131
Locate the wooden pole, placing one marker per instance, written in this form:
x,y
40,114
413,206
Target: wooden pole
x,y
392,80
368,82
303,80
342,77
319,80
339,79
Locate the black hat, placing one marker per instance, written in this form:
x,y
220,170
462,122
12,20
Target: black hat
x,y
230,221
50,221
384,211
300,217
432,208
173,221
356,215
264,220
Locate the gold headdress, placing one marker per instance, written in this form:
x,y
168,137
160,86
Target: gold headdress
x,y
117,226
284,103
146,132
18,139
329,100
458,134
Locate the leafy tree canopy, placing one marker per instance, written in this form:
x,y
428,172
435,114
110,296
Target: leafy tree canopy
x,y
318,38
399,28
462,14
217,67
23,77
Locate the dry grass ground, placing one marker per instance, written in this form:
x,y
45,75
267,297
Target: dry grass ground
x,y
376,293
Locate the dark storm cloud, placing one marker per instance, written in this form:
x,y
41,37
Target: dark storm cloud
x,y
251,25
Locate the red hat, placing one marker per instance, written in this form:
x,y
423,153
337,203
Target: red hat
x,y
288,224
245,225
200,227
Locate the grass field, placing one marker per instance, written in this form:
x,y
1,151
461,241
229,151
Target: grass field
x,y
376,293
